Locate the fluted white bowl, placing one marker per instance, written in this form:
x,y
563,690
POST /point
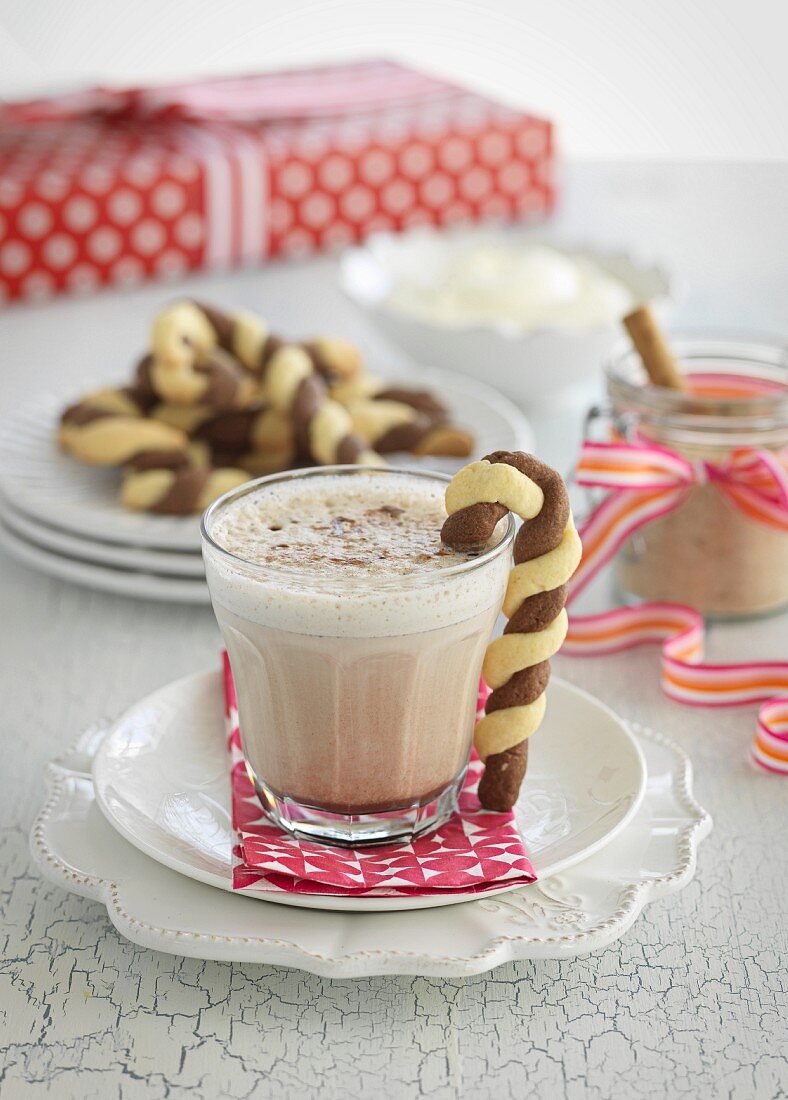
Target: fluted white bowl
x,y
528,365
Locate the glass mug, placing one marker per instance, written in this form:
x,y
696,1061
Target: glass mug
x,y
706,552
356,698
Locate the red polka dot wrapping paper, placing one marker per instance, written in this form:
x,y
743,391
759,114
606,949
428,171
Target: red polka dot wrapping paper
x,y
475,851
113,187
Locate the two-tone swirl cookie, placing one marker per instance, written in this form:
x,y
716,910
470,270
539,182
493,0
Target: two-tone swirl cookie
x,y
389,425
108,428
369,387
218,389
170,484
259,439
185,331
547,550
214,379
323,428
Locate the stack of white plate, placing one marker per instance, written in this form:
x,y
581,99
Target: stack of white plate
x,y
65,518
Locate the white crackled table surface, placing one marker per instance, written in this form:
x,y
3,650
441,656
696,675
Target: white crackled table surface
x,y
692,1002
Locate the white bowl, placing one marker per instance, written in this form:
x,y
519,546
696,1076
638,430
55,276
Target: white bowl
x,y
528,365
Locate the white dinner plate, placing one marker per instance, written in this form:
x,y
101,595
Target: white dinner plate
x,y
57,490
161,778
581,910
122,582
178,563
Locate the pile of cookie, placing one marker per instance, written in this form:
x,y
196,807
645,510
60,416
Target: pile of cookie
x,y
220,399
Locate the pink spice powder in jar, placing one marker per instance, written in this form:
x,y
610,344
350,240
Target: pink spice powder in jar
x,y
707,552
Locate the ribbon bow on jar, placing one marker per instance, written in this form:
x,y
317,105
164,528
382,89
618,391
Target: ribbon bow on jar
x,y
646,481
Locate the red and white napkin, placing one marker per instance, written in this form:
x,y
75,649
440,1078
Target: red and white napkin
x,y
475,851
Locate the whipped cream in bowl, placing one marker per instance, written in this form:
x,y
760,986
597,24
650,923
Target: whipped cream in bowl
x,y
524,313
521,286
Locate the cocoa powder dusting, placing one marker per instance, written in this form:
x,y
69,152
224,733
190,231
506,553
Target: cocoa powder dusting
x,y
371,526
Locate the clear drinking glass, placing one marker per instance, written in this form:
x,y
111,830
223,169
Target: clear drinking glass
x,y
357,718
707,552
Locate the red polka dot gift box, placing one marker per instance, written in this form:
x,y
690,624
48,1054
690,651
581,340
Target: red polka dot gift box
x,y
114,186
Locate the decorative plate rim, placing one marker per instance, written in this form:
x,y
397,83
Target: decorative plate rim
x,y
634,897
195,680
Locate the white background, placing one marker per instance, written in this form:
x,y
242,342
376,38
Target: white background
x,y
625,79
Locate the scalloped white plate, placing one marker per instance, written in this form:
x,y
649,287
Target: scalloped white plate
x,y
160,778
51,487
578,911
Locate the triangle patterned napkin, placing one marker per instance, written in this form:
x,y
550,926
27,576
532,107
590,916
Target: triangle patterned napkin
x,y
475,851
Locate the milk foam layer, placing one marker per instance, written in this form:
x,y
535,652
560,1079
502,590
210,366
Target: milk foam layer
x,y
354,555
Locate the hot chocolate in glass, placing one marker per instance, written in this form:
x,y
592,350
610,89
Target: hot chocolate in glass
x,y
356,641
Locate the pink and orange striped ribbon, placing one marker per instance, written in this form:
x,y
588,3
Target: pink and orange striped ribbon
x,y
645,481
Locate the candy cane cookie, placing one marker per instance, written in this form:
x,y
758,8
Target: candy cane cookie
x,y
547,551
107,428
323,428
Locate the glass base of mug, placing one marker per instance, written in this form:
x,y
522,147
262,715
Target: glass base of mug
x,y
395,826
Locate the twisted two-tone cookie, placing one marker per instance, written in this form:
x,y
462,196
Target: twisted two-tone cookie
x,y
323,428
391,425
259,439
187,418
256,427
213,378
174,485
367,386
186,330
107,428
547,551
400,418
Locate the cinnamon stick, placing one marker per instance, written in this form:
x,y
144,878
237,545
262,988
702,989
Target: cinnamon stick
x,y
652,348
